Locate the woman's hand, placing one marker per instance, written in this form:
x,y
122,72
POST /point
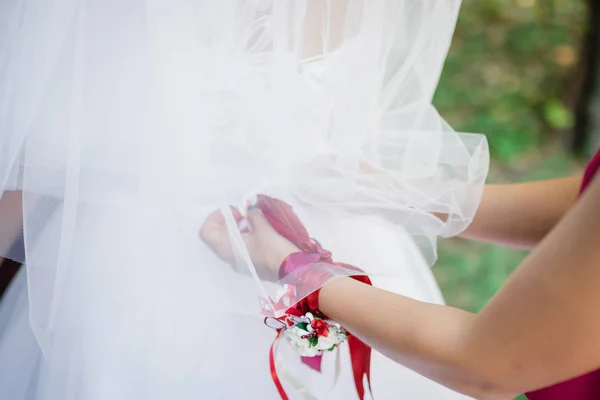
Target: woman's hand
x,y
266,247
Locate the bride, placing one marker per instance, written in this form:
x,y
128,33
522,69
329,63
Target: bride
x,y
126,123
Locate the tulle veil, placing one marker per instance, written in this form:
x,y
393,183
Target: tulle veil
x,y
124,123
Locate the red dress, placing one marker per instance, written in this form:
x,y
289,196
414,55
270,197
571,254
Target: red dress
x,y
585,387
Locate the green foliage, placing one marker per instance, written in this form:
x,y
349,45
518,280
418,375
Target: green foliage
x,y
511,72
303,326
557,115
512,75
470,273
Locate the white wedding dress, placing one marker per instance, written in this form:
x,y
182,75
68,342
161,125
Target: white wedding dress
x,y
125,122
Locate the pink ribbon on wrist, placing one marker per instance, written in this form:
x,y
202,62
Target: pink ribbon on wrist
x,y
296,268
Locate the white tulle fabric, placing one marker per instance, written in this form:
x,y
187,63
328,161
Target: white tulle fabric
x,y
125,122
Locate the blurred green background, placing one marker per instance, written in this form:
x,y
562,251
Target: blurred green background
x,y
513,73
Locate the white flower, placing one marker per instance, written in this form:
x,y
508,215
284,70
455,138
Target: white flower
x,y
294,339
302,346
298,331
306,320
311,352
326,342
298,338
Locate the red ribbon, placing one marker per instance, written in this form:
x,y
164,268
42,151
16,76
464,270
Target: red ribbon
x,y
274,375
283,219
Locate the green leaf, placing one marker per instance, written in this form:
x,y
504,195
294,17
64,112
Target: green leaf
x,y
557,115
302,325
332,348
313,341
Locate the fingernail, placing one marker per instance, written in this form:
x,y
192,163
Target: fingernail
x,y
251,207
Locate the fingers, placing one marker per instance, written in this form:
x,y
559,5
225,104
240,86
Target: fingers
x,y
237,215
257,220
215,228
213,220
214,225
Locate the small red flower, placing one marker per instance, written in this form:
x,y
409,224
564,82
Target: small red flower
x,y
321,327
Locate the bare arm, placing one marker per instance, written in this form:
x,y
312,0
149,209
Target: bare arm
x,y
521,215
544,315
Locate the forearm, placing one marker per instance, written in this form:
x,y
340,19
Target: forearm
x,y
521,215
427,338
541,315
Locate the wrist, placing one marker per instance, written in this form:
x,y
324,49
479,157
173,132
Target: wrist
x,y
332,295
278,255
335,286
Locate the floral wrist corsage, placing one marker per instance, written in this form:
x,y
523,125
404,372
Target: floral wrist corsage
x,y
302,324
310,335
